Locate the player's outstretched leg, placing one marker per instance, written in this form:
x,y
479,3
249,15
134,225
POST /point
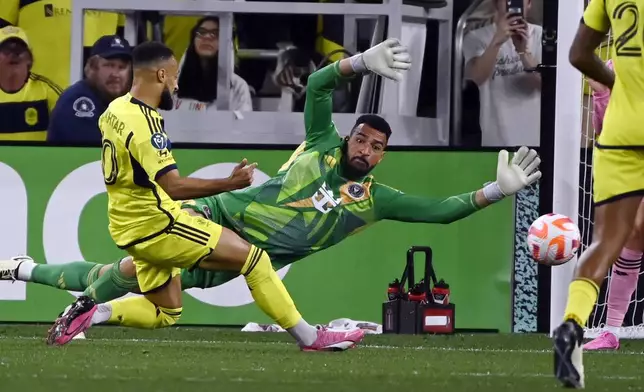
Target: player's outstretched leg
x,y
623,282
115,281
74,276
613,224
269,293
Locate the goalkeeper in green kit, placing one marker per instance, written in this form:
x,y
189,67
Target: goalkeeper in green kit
x,y
319,197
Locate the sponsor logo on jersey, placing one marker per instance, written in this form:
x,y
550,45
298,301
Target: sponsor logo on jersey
x,y
324,201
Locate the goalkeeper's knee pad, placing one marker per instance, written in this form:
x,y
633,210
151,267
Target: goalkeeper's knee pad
x,y
167,317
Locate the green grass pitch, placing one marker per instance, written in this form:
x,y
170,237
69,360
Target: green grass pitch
x,y
209,359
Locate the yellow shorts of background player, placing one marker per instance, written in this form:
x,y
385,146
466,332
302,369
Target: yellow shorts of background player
x,y
617,173
159,259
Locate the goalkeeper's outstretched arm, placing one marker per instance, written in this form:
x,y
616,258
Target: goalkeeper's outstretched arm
x,y
388,59
511,177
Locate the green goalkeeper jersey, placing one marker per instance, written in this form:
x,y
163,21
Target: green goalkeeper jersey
x,y
309,206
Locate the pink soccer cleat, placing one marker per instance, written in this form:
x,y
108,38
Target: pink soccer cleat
x,y
72,322
335,340
605,341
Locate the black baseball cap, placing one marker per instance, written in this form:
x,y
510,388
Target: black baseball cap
x,y
111,46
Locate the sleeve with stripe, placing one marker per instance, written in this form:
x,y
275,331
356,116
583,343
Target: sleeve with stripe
x,y
150,146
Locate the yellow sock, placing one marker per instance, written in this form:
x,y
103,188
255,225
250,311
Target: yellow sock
x,y
138,312
582,295
268,290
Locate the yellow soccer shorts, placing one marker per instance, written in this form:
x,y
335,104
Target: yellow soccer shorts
x,y
617,174
158,260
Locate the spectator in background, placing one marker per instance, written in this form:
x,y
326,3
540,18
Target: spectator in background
x,y
496,59
26,99
49,27
108,75
199,69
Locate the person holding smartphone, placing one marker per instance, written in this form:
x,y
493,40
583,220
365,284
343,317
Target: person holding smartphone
x,y
499,58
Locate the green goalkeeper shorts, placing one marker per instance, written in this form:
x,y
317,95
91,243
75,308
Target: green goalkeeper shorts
x,y
207,206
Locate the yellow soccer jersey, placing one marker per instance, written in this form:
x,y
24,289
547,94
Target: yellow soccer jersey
x,y
625,114
48,25
136,152
25,114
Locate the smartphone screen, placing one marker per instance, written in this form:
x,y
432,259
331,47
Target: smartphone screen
x,y
515,7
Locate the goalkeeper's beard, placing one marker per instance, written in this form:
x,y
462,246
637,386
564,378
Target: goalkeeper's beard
x,y
349,171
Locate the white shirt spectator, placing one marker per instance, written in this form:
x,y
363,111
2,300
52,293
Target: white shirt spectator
x,y
240,97
510,106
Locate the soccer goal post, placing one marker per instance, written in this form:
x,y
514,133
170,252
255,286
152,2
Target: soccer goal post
x,y
568,140
573,182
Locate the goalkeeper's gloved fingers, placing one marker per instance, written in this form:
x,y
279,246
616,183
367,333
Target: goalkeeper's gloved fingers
x,y
402,62
502,163
533,166
520,155
525,157
534,177
390,43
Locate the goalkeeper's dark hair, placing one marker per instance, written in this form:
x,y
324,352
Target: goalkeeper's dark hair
x,y
374,121
150,53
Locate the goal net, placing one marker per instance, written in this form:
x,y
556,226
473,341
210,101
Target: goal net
x,y
633,326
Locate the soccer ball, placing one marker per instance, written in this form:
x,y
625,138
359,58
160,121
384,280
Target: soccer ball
x,y
553,239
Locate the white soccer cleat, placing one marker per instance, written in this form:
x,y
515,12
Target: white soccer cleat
x,y
9,268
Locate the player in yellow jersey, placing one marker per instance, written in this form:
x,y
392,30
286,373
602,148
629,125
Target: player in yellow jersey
x,y
144,188
618,165
49,27
26,99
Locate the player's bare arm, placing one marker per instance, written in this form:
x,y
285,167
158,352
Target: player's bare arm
x,y
583,57
183,188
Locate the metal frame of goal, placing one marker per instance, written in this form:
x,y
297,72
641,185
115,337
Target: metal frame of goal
x,y
572,182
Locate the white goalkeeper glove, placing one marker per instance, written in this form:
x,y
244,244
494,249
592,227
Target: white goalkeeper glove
x,y
387,59
511,177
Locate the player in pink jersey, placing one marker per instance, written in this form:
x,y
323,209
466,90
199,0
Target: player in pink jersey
x,y
626,270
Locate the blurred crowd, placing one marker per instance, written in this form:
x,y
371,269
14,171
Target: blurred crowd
x,y
38,102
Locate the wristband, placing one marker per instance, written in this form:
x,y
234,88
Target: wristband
x,y
492,192
357,64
